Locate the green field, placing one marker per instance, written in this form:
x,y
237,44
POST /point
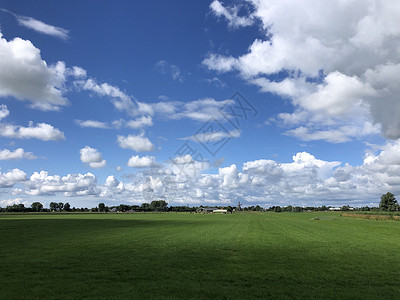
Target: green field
x,y
194,256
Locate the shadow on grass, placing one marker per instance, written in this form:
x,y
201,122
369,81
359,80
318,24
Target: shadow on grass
x,y
189,258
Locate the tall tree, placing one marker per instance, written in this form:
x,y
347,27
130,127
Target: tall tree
x,y
37,206
159,205
67,207
54,206
102,207
388,202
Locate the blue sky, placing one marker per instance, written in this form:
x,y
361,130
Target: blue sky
x,y
135,102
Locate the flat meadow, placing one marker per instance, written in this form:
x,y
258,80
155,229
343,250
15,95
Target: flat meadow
x,y
196,256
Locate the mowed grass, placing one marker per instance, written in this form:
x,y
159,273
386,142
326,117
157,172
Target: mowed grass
x,y
194,256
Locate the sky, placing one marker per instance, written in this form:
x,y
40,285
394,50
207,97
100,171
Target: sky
x,y
199,102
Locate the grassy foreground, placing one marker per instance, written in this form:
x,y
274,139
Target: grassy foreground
x,y
188,256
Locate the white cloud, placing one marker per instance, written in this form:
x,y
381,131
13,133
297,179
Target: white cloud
x,y
44,28
230,176
111,181
198,110
214,136
183,159
92,124
166,68
16,154
305,180
39,26
340,134
92,157
12,177
231,14
141,162
10,202
140,122
41,131
40,183
28,77
138,143
4,112
217,82
185,166
335,59
120,100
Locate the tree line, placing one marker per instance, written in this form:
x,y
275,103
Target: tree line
x,y
388,202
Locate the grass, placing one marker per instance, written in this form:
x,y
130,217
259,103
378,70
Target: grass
x,y
190,256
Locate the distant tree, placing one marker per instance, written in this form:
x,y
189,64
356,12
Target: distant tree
x,y
297,209
54,206
277,209
67,207
288,208
102,207
123,207
60,205
16,208
159,205
388,202
229,208
345,208
37,206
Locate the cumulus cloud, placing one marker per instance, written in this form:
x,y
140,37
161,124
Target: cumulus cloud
x,y
138,143
11,177
41,131
304,180
335,60
10,202
16,154
41,183
183,159
28,77
141,162
111,181
92,157
140,122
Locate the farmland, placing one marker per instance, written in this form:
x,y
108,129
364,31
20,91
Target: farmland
x,y
192,256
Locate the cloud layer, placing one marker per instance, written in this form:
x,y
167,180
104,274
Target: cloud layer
x,y
306,180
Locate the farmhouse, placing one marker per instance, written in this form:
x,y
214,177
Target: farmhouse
x,y
220,211
212,210
334,208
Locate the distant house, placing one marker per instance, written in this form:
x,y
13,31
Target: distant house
x,y
206,210
340,208
220,211
334,208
